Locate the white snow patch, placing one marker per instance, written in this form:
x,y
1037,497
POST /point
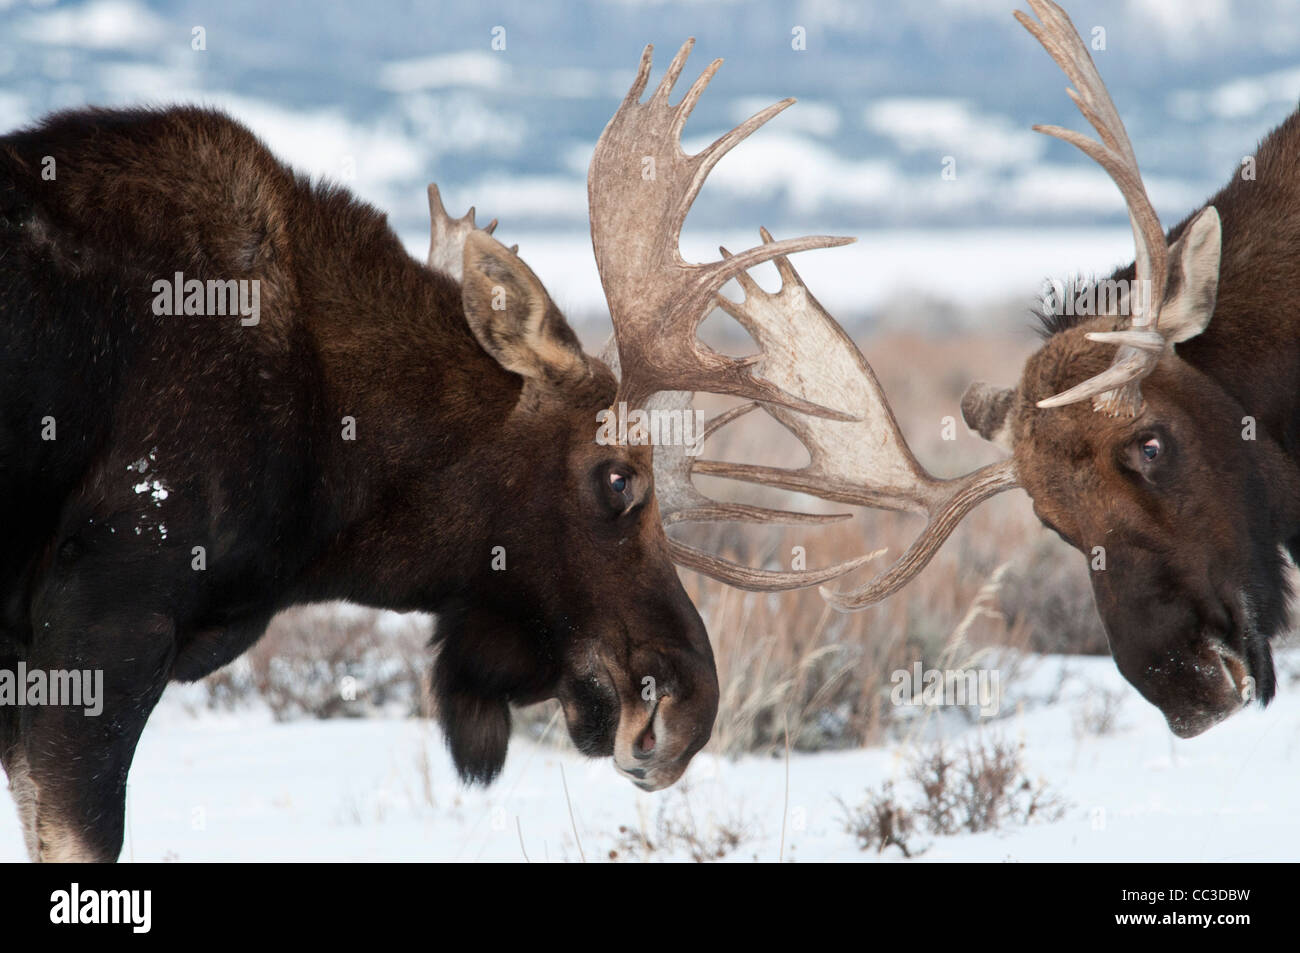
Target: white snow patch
x,y
242,787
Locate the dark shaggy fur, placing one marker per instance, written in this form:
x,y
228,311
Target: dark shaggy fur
x,y
200,479
1192,585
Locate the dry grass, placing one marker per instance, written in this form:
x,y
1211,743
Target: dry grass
x,y
782,659
676,831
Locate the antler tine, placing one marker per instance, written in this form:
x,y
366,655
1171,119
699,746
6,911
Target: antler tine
x,y
971,490
674,70
1115,154
447,235
643,74
680,502
1116,391
640,187
687,105
685,504
864,462
759,580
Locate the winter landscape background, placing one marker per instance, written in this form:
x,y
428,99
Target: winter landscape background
x,y
390,96
265,762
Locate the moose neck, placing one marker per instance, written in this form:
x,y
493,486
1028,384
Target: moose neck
x,y
1252,345
1264,376
409,403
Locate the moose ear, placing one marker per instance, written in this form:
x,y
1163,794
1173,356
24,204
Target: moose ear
x,y
987,410
513,317
1194,277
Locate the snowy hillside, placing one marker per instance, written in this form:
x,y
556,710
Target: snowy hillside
x,y
412,93
388,96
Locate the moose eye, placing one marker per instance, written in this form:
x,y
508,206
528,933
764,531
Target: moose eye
x,y
1149,455
621,492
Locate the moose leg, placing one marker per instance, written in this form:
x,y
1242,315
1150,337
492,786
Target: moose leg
x,y
77,757
14,758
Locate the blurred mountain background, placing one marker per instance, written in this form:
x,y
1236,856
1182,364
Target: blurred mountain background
x,y
389,96
386,97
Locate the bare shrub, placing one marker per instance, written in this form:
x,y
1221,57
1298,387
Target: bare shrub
x,y
982,787
1098,713
880,822
330,661
675,832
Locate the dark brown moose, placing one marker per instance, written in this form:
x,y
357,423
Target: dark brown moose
x,y
227,390
1160,436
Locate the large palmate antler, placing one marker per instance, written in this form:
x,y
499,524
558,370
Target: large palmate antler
x,y
640,186
680,501
867,462
1116,390
864,462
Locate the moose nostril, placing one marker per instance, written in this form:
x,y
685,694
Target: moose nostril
x,y
645,745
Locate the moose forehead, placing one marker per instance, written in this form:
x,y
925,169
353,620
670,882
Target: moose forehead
x,y
1065,359
1172,391
1070,458
1066,455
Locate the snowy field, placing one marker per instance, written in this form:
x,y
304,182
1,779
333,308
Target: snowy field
x,y
211,787
966,268
387,97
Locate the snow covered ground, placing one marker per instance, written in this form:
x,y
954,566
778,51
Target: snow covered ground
x,y
222,787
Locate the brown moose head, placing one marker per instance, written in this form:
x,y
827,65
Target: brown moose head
x,y
1143,460
1129,448
600,620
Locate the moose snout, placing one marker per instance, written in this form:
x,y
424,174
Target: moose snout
x,y
1196,692
1230,667
654,747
